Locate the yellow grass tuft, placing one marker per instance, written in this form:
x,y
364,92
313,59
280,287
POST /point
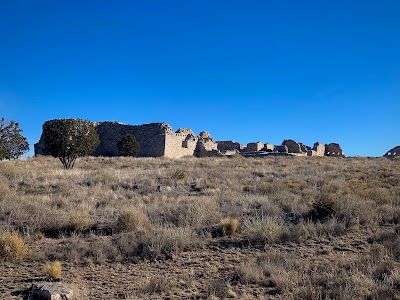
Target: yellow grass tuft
x,y
132,220
53,270
81,221
229,225
13,247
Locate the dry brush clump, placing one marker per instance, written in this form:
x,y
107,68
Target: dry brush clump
x,y
12,247
124,210
53,270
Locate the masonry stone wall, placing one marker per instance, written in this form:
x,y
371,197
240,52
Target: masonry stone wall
x,y
155,140
282,149
394,152
177,146
334,150
251,147
293,146
269,147
151,138
229,146
319,149
206,146
159,140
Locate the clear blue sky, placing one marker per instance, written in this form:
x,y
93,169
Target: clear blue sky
x,y
311,71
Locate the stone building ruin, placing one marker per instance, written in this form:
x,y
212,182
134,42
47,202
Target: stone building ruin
x,y
392,153
155,139
334,150
159,140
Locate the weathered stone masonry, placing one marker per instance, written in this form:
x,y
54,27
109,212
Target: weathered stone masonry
x,y
159,140
394,152
155,139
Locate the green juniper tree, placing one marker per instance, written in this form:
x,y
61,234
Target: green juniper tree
x,y
12,144
128,146
67,139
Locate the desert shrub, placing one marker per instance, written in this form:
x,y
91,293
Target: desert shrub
x,y
128,146
217,289
252,273
229,226
328,228
67,139
12,143
202,211
99,250
53,270
390,240
80,221
132,220
262,229
294,233
159,243
157,285
8,170
353,211
13,247
383,270
178,175
322,209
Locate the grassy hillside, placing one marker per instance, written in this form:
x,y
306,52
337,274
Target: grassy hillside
x,y
276,227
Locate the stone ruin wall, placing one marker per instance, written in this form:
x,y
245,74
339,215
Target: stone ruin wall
x,y
317,150
206,146
333,150
149,136
392,153
224,146
269,147
293,147
155,140
254,147
181,143
159,140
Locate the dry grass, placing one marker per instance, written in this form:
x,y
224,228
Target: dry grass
x,y
53,270
229,226
12,247
296,214
132,220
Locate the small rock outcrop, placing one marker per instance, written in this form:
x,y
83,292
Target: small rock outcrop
x,y
334,150
50,291
394,152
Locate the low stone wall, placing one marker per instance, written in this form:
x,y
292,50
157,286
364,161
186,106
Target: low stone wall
x,y
269,147
251,147
229,146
